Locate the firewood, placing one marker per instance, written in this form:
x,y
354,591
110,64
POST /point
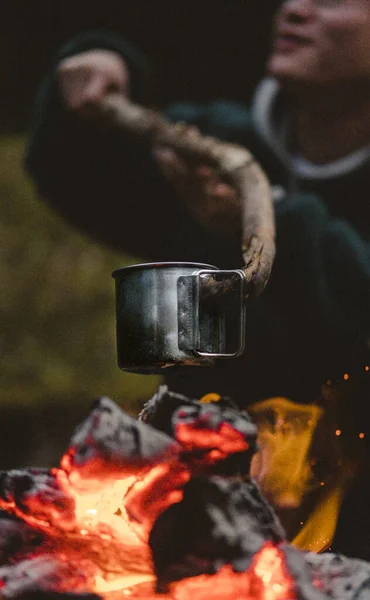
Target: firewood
x,y
234,163
110,444
37,496
196,534
218,522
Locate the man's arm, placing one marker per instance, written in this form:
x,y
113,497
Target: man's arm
x,y
88,174
106,183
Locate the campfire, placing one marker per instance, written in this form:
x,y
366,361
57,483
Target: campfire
x,y
161,506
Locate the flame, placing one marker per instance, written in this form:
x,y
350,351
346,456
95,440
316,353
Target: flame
x,y
96,534
103,526
211,397
318,532
105,549
283,467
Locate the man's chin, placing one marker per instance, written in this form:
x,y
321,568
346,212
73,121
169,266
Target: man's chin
x,y
281,66
286,70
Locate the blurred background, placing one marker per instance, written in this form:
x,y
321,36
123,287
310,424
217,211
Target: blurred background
x,y
57,328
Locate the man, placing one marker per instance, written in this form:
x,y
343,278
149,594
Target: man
x,y
309,127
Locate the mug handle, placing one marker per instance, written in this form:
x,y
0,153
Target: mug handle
x,y
242,322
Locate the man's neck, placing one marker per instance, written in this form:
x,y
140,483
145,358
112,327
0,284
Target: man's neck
x,y
328,127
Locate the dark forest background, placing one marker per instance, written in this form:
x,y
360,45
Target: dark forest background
x,y
201,49
57,337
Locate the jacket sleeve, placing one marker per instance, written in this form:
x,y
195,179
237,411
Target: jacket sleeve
x,y
107,184
89,175
324,262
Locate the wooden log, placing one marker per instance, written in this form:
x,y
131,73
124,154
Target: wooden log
x,y
234,163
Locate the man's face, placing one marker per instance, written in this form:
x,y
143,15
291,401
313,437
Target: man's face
x,y
321,42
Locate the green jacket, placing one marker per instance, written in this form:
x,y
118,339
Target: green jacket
x,y
312,323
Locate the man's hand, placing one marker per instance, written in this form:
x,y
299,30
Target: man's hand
x,y
84,81
86,78
213,202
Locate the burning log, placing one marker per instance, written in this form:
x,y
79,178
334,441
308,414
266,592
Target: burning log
x,y
161,520
214,434
218,523
158,410
46,573
336,575
17,537
209,428
37,496
111,444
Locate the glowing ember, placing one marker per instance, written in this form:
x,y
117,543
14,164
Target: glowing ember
x,y
145,511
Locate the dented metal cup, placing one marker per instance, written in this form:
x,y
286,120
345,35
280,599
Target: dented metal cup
x,y
165,318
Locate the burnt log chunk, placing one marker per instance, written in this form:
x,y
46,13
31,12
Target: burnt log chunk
x,y
340,577
218,522
159,410
111,444
17,539
198,522
44,573
207,426
216,436
38,494
213,434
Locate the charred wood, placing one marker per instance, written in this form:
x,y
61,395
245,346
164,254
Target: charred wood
x,y
37,496
218,522
110,444
178,517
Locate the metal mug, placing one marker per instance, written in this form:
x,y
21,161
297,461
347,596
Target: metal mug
x,y
163,321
